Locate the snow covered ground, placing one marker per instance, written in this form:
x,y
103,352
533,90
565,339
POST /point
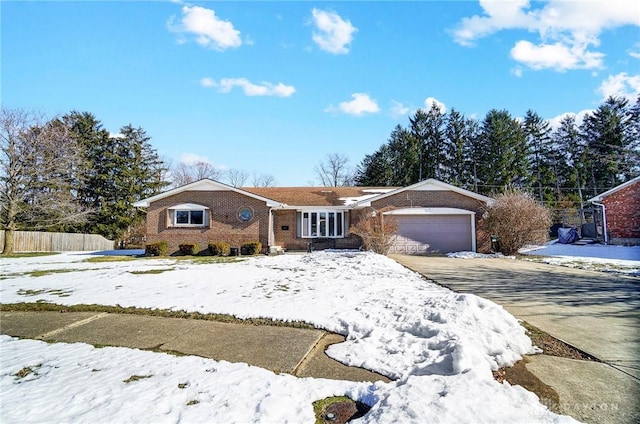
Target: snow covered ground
x,y
440,346
609,258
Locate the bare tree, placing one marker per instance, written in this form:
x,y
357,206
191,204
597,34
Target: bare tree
x,y
184,173
38,162
334,171
237,177
263,180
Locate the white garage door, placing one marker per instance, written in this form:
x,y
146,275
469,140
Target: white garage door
x,y
432,234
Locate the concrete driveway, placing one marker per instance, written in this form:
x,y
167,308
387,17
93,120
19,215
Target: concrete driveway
x,y
596,312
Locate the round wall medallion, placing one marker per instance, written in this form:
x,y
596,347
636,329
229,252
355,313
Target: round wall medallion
x,y
245,214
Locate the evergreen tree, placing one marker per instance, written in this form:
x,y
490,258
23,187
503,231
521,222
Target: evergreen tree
x,y
606,132
117,172
501,155
459,135
427,129
374,170
403,157
633,135
569,160
538,135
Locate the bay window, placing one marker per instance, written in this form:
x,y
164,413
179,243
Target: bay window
x,y
327,224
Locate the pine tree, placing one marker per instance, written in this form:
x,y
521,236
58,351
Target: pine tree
x,y
609,146
538,135
374,170
459,135
569,160
501,155
118,171
427,129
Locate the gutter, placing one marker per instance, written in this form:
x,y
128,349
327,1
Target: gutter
x,y
604,221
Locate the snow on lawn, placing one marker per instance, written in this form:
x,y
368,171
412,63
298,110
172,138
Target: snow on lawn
x,y
440,345
622,259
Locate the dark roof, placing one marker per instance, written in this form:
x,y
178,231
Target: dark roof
x,y
316,196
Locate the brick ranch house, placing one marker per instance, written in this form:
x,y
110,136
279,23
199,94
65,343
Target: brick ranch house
x,y
621,211
432,216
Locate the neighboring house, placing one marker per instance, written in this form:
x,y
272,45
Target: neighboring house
x,y
621,211
432,216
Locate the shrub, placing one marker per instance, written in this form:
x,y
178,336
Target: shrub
x,y
517,219
159,248
251,248
376,231
220,248
189,249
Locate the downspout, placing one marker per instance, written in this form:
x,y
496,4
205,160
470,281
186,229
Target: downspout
x,y
604,221
474,247
271,237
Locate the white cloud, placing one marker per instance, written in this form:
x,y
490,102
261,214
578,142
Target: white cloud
x,y
579,117
333,34
517,71
207,82
620,85
192,159
225,85
360,105
634,52
557,56
567,30
398,109
209,30
430,101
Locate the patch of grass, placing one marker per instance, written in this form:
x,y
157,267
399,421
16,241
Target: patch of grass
x,y
55,292
37,306
193,402
100,259
43,272
25,372
183,385
28,255
208,259
29,292
554,347
136,378
151,271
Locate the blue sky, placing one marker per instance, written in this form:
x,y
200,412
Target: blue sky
x,y
273,87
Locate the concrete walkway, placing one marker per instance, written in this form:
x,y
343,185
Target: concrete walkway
x,y
596,312
295,351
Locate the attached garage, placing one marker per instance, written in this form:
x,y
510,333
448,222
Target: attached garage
x,y
433,230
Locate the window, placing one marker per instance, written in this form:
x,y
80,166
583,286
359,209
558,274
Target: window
x,y
322,224
188,215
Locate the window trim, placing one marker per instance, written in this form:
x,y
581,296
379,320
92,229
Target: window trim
x,y
319,218
189,208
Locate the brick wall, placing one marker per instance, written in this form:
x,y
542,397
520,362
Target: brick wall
x,y
442,199
224,223
623,212
287,238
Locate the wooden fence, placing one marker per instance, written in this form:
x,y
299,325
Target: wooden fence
x,y
38,241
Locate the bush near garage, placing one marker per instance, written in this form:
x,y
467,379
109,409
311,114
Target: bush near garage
x,y
219,248
190,249
158,248
376,231
518,220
